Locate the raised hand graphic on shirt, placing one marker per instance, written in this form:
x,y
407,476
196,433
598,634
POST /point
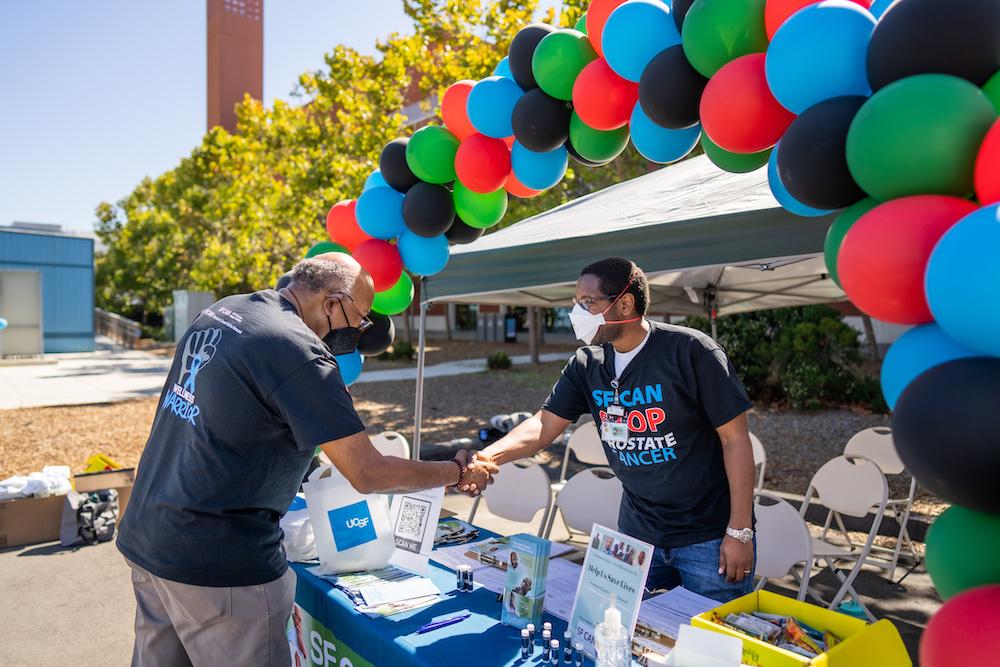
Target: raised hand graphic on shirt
x,y
198,351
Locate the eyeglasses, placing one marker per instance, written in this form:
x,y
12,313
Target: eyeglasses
x,y
588,302
365,323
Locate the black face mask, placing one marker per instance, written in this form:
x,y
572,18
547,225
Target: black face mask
x,y
344,340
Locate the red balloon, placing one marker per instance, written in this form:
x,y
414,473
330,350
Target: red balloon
x,y
453,112
883,257
965,631
987,174
597,16
738,111
519,189
482,163
382,260
342,225
601,98
777,12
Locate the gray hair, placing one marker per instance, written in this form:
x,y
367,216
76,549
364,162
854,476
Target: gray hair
x,y
318,275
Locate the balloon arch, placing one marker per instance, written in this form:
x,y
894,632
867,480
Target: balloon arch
x,y
886,110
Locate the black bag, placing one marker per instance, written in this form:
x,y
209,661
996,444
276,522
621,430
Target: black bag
x,y
89,518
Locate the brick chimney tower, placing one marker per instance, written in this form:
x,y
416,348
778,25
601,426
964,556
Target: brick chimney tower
x,y
235,57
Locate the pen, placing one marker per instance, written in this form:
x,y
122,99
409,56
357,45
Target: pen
x,y
440,624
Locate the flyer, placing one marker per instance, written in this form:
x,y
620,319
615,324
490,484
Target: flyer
x,y
414,519
615,566
527,571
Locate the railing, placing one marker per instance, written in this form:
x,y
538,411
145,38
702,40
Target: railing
x,y
120,329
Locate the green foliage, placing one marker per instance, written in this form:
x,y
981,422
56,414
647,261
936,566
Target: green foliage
x,y
400,349
498,361
806,356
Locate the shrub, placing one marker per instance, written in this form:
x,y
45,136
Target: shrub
x,y
807,356
400,349
498,361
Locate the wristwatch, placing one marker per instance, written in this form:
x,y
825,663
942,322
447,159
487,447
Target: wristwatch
x,y
744,535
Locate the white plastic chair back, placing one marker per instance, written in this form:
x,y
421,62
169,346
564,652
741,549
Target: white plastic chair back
x,y
849,486
588,499
876,444
783,539
519,490
586,445
759,459
390,443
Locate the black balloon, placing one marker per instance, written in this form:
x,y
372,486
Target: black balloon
x,y
959,37
460,233
283,281
428,210
582,160
812,155
541,123
522,50
670,90
378,337
945,430
395,170
679,10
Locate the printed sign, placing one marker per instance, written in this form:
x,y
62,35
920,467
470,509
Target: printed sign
x,y
414,518
352,525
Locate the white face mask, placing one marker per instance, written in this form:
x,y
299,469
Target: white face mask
x,y
585,323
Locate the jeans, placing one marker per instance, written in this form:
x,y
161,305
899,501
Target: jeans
x,y
696,567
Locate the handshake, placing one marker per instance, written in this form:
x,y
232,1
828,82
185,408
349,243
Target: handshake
x,y
477,473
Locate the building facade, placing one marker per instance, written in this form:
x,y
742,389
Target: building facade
x,y
235,57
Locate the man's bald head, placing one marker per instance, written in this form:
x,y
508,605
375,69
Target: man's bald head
x,y
334,272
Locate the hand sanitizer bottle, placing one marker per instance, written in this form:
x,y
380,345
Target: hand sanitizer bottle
x,y
614,649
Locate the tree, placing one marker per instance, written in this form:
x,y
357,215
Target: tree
x,y
233,215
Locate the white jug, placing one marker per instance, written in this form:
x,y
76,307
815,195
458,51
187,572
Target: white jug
x,y
352,530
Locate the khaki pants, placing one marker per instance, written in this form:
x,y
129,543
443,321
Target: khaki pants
x,y
179,624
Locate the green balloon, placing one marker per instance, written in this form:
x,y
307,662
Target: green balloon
x,y
430,154
326,246
558,60
596,145
396,299
992,90
581,24
961,550
716,32
734,163
838,230
479,210
919,135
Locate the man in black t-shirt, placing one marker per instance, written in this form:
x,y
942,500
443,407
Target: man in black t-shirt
x,y
672,417
253,391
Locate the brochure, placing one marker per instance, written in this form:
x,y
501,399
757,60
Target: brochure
x,y
615,566
527,570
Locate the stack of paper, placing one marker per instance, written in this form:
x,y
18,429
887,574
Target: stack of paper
x,y
665,613
494,551
385,592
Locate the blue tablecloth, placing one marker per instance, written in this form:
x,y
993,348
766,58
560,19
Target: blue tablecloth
x,y
478,641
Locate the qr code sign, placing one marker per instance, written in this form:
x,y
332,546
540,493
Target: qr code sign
x,y
411,524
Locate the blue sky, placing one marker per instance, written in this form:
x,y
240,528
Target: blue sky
x,y
96,95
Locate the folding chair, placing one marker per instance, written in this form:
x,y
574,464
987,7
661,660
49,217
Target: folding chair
x,y
585,443
586,499
783,542
851,487
876,444
390,443
759,459
519,490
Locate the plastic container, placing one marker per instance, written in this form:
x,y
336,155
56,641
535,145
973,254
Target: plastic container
x,y
614,647
352,530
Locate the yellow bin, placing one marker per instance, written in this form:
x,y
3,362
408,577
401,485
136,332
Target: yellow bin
x,y
877,644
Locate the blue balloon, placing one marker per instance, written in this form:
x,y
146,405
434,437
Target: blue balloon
x,y
503,69
350,366
880,7
375,180
490,105
635,32
423,255
380,213
919,349
962,281
538,171
820,53
659,144
787,201
3,324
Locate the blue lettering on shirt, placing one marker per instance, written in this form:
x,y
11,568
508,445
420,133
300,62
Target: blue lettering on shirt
x,y
181,408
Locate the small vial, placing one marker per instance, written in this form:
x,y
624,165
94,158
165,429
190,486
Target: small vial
x,y
460,578
546,638
469,574
554,657
567,645
547,626
578,654
531,632
525,644
546,650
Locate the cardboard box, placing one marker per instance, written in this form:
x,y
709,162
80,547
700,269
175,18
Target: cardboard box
x,y
121,480
862,643
30,520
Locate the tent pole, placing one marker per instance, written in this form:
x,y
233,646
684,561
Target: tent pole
x,y
715,332
418,411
